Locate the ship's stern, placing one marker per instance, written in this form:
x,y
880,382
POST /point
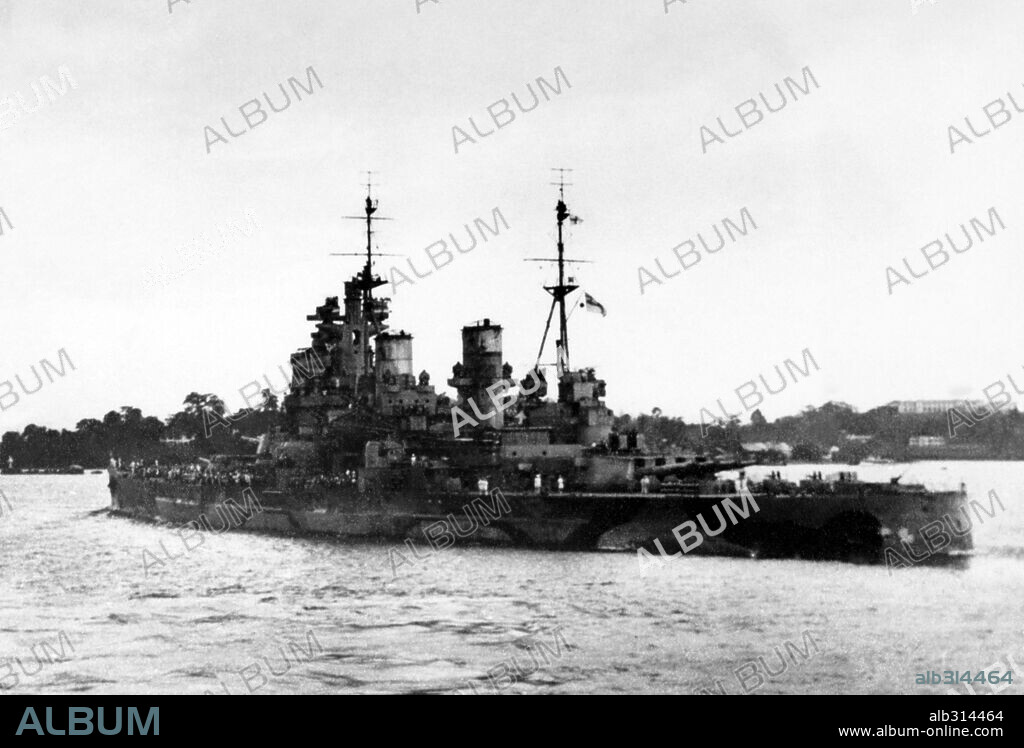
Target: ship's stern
x,y
934,527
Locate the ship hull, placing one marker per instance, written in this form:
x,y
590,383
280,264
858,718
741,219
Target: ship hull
x,y
861,524
869,525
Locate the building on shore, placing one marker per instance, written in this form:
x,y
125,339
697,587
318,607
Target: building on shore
x,y
933,407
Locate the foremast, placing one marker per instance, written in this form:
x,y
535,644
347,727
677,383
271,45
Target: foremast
x,y
374,312
365,369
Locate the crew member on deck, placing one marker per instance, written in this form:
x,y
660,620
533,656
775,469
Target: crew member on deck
x,y
538,483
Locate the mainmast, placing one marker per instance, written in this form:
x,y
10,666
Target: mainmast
x,y
581,417
560,291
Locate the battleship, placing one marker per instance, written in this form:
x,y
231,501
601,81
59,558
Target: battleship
x,y
371,450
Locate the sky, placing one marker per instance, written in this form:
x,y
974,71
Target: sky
x,y
110,184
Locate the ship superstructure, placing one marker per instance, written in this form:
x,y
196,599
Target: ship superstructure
x,y
367,389
371,449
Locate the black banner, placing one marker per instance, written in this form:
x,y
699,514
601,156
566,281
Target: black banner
x,y
239,717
